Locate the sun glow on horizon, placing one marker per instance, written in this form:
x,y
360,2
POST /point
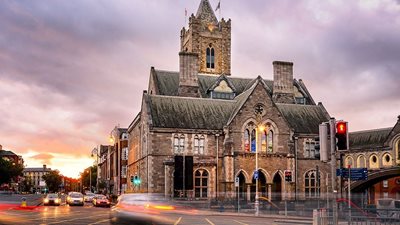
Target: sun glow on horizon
x,y
69,165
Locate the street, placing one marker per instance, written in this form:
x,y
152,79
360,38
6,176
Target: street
x,y
91,215
36,214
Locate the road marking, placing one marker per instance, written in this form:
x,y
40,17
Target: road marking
x,y
177,221
209,221
240,222
101,221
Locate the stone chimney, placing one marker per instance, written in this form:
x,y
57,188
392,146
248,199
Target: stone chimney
x,y
188,69
44,167
283,82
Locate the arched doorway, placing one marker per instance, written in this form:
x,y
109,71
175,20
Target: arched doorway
x,y
277,188
262,186
242,186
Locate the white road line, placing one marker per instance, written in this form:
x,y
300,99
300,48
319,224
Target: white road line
x,y
101,221
209,221
240,222
177,221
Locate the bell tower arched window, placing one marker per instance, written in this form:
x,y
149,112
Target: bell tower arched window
x,y
210,57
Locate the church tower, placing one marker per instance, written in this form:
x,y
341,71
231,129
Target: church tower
x,y
210,39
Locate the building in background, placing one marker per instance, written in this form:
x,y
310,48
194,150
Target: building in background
x,y
118,160
35,175
15,160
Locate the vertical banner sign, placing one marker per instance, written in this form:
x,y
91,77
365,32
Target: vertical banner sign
x,y
237,182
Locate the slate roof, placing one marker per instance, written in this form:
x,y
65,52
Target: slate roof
x,y
303,118
167,83
189,113
369,138
37,169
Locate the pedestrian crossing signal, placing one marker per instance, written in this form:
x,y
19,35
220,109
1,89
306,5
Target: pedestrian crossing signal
x,y
135,180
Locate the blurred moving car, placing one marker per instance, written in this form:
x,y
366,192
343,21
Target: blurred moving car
x,y
147,209
89,197
75,198
101,200
52,199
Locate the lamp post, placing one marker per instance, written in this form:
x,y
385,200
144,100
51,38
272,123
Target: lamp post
x,y
90,179
260,129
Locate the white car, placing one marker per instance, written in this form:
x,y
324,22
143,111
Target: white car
x,y
75,198
89,197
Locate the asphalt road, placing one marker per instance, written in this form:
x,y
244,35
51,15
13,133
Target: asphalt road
x,y
36,214
87,214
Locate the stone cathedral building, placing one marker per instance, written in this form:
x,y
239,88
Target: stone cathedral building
x,y
200,127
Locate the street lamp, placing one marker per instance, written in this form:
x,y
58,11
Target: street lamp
x,y
259,109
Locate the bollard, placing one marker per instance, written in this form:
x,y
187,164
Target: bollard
x,y
23,203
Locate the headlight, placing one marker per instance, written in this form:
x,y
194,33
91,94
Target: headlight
x,y
57,200
46,200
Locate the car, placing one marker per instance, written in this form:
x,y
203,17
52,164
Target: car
x,y
75,198
89,197
388,208
101,200
147,209
52,199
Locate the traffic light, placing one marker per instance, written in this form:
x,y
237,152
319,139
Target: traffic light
x,y
132,179
342,135
136,180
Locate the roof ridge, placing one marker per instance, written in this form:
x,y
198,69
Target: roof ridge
x,y
191,98
371,130
212,75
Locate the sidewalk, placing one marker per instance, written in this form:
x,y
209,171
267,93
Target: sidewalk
x,y
31,200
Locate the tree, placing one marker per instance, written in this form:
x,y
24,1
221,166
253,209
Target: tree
x,y
86,179
27,184
9,171
53,180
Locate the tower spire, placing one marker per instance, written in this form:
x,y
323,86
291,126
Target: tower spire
x,y
206,13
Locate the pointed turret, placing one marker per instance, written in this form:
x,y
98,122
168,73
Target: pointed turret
x,y
210,39
205,13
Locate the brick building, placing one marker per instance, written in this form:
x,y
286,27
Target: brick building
x,y
199,127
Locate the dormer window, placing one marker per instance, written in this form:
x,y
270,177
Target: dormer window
x,y
210,57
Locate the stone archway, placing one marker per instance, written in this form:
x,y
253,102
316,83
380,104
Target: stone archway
x,y
242,186
277,187
262,186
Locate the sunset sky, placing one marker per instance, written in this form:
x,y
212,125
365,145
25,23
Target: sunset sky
x,y
70,71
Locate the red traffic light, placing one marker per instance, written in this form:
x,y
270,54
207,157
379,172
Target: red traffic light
x,y
341,127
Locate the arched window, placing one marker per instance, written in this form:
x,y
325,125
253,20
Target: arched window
x,y
210,57
373,162
361,162
312,184
386,160
253,140
247,140
199,144
264,141
179,143
250,137
398,149
200,183
349,162
270,141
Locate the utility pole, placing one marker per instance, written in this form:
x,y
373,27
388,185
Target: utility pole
x,y
332,125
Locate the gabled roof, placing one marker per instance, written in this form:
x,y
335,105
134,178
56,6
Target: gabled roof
x,y
369,138
303,119
206,12
189,113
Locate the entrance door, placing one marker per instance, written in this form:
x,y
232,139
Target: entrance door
x,y
277,188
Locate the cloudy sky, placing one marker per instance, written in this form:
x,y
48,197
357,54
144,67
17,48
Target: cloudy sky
x,y
70,71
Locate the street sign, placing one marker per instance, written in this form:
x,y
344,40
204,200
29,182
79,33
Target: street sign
x,y
236,181
256,175
355,173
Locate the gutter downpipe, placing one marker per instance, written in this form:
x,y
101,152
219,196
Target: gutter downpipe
x,y
296,166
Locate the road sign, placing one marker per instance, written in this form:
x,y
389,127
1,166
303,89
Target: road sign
x,y
355,173
256,175
236,181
